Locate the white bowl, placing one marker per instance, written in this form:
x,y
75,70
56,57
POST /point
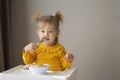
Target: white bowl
x,y
39,70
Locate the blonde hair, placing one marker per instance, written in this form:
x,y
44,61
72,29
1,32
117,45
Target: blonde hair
x,y
50,19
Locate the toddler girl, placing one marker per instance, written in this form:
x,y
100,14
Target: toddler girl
x,y
48,50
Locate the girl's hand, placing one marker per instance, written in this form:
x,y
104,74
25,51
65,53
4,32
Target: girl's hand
x,y
30,47
69,57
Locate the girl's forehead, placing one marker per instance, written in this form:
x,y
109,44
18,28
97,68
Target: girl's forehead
x,y
46,25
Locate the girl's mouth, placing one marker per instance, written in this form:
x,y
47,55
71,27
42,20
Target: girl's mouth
x,y
44,39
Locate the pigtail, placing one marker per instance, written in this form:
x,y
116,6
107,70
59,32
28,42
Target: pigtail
x,y
36,16
59,16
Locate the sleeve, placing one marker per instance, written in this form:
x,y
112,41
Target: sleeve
x,y
64,62
28,57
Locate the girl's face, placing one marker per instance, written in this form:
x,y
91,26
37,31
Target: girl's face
x,y
47,33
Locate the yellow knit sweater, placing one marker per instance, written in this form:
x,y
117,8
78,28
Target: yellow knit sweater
x,y
53,55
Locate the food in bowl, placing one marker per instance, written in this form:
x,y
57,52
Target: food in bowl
x,y
38,68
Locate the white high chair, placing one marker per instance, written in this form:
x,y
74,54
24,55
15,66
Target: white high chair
x,y
17,73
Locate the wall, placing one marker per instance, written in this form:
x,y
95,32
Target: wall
x,y
90,31
1,51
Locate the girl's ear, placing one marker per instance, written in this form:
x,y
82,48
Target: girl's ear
x,y
57,34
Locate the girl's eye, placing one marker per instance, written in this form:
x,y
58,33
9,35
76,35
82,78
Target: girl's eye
x,y
42,31
51,31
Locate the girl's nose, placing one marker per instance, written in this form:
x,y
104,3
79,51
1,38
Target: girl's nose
x,y
46,34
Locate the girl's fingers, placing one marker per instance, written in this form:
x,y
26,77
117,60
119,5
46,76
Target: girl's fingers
x,y
69,57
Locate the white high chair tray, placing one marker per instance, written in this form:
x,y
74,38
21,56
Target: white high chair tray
x,y
18,73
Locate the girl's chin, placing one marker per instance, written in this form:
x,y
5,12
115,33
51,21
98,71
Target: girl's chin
x,y
48,43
